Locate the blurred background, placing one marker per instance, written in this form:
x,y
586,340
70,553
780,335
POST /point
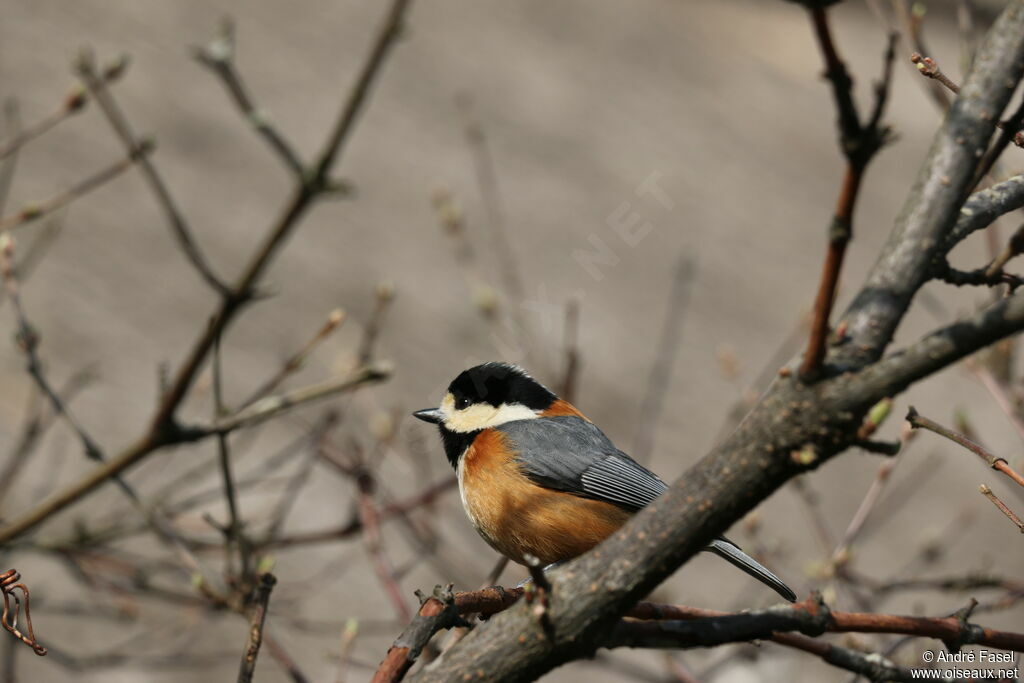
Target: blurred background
x,y
502,146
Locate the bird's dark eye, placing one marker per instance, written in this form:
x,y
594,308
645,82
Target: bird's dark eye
x,y
461,403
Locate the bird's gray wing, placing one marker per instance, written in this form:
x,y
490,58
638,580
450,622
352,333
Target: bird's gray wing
x,y
571,454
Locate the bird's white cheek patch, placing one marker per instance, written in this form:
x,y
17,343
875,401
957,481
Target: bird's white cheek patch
x,y
484,415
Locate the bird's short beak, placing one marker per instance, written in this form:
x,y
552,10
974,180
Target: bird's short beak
x,y
430,415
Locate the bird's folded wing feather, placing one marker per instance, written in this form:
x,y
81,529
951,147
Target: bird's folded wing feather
x,y
572,455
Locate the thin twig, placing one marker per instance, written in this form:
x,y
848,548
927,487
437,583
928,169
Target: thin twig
x,y
859,144
270,406
33,212
570,372
487,181
383,298
12,124
1001,506
919,421
10,585
73,103
219,56
233,533
298,359
257,620
95,84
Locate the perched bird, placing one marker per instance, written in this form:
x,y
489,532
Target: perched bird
x,y
538,478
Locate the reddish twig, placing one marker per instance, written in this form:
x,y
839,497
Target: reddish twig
x,y
437,612
10,581
918,421
859,143
663,623
370,518
930,68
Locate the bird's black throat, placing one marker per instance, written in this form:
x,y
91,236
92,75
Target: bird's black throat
x,y
456,443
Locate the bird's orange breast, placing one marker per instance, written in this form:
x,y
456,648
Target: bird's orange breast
x,y
516,516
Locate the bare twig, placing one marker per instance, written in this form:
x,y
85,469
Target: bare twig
x,y
257,620
271,406
10,583
383,298
859,143
73,103
487,180
298,359
570,372
930,68
34,212
919,421
37,422
1014,247
1001,506
219,56
12,124
233,532
85,66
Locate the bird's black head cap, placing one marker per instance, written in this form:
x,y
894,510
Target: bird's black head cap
x,y
500,383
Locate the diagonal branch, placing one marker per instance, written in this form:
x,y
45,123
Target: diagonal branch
x,y
97,88
219,56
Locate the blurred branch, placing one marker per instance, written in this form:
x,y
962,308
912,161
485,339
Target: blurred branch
x,y
298,359
269,407
73,103
219,56
570,371
36,423
12,126
660,376
257,620
383,299
86,68
34,212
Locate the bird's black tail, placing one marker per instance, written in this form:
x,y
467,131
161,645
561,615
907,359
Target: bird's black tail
x,y
731,553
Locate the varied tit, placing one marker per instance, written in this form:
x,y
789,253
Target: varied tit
x,y
538,478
